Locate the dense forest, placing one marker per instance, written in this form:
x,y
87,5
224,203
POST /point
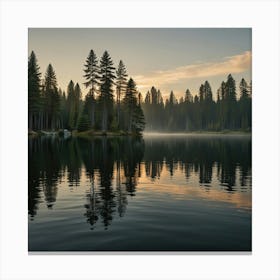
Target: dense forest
x,y
50,108
113,103
201,112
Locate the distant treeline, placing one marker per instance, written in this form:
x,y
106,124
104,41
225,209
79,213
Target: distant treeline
x,y
113,103
201,112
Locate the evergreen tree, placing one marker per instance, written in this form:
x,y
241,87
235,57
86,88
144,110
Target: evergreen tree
x,y
77,103
138,120
171,111
51,100
92,80
62,97
245,109
106,87
230,103
34,98
71,106
230,88
135,121
130,102
148,98
188,96
244,89
187,110
172,98
209,107
121,81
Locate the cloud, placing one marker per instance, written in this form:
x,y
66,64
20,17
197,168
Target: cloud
x,y
233,64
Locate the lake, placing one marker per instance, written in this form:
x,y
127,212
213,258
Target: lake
x,y
156,193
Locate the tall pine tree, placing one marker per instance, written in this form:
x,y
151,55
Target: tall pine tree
x,y
92,81
135,121
107,78
51,100
121,80
34,98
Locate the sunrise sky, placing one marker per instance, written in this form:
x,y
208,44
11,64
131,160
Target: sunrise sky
x,y
169,59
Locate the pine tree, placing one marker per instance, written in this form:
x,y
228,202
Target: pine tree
x,y
34,98
92,81
148,98
70,106
208,92
172,98
170,109
188,96
63,107
138,121
201,93
121,80
245,105
77,103
230,104
135,121
51,100
106,87
244,89
230,88
130,102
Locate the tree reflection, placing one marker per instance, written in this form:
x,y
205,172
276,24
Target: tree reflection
x,y
112,168
110,195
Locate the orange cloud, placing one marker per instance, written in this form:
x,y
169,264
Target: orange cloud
x,y
233,64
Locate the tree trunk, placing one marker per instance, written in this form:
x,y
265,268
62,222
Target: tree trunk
x,y
92,115
104,118
118,109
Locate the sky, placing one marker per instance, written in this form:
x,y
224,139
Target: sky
x,y
167,58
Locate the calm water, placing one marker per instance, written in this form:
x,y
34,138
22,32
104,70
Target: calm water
x,y
187,193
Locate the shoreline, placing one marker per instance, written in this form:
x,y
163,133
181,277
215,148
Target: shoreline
x,y
92,134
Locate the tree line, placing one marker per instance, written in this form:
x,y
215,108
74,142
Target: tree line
x,y
201,111
113,102
50,108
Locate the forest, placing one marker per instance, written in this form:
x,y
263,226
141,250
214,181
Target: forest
x,y
113,103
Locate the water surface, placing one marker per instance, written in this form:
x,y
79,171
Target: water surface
x,y
159,193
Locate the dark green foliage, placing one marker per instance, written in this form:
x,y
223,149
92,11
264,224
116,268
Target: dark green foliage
x,y
83,123
92,81
245,105
134,117
89,108
138,120
51,101
121,80
34,98
107,78
70,105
